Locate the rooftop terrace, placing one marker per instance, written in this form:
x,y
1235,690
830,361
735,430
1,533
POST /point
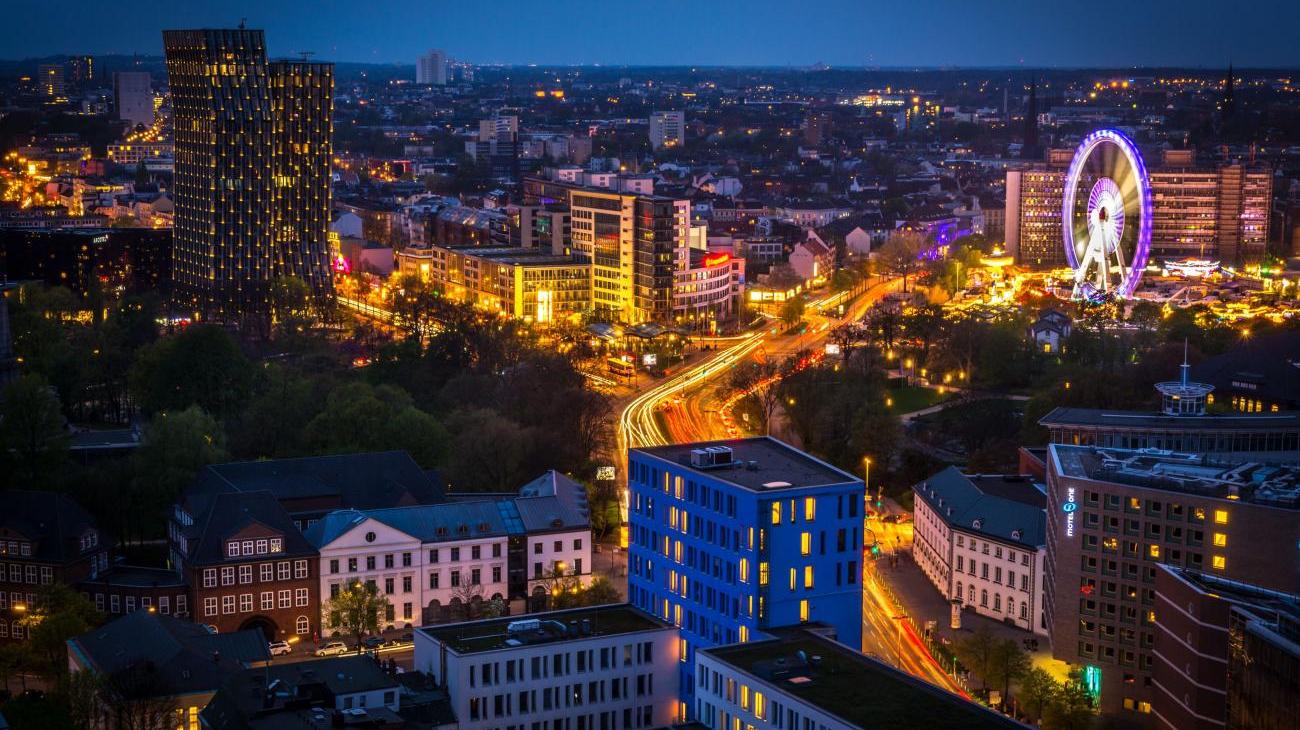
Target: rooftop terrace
x,y
860,690
761,464
551,627
1252,482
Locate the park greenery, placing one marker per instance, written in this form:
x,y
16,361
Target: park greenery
x,y
487,402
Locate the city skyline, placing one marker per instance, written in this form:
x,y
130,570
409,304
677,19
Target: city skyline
x,y
1197,34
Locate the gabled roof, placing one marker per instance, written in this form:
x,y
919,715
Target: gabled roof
x,y
1003,505
540,514
350,481
230,512
53,522
427,523
552,483
180,656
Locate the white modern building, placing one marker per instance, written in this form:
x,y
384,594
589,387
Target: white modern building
x,y
610,667
800,680
667,129
981,540
431,68
133,97
430,561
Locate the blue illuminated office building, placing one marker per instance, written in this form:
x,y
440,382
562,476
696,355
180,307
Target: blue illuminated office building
x,y
728,538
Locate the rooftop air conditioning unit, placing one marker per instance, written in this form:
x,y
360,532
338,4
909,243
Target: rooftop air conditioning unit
x,y
710,457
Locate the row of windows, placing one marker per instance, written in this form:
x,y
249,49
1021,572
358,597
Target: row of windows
x,y
115,602
284,570
563,697
260,546
970,565
287,599
30,574
560,664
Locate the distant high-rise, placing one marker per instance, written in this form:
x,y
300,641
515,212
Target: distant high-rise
x,y
82,70
667,129
1200,211
133,97
431,68
50,83
252,187
1031,150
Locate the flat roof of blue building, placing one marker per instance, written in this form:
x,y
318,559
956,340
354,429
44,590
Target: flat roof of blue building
x,y
760,464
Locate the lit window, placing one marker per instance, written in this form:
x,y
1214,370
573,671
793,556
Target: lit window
x,y
1219,562
762,573
805,543
744,570
1220,539
807,576
809,508
1220,516
793,575
776,513
803,610
1153,551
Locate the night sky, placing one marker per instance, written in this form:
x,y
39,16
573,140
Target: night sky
x,y
1113,34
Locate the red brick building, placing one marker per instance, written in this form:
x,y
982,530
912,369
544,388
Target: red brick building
x,y
246,564
45,538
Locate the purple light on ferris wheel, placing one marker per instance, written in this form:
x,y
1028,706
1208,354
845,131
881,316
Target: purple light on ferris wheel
x,y
1130,151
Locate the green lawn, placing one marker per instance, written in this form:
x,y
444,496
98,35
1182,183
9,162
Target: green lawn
x,y
914,398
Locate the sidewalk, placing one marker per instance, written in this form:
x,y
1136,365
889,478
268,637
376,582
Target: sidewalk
x,y
924,603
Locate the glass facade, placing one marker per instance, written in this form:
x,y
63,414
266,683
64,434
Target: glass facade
x,y
253,149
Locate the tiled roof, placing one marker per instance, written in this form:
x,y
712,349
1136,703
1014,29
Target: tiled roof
x,y
182,656
357,481
53,522
230,512
1004,505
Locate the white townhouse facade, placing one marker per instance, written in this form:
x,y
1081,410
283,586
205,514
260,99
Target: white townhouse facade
x,y
981,540
430,561
611,667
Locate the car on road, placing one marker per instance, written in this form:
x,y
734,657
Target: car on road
x,y
374,642
333,648
278,648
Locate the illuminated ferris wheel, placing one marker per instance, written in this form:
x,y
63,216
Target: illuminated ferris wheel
x,y
1106,216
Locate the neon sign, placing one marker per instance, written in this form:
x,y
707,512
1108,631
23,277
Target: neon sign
x,y
1069,508
714,259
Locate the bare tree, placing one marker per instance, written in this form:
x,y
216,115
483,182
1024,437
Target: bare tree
x,y
137,698
760,382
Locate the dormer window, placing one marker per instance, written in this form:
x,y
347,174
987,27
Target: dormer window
x,y
25,549
232,549
248,547
277,545
261,546
89,539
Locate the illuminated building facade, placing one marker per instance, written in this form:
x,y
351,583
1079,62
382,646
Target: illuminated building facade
x,y
708,287
667,129
729,538
252,187
1116,516
113,261
1220,212
521,282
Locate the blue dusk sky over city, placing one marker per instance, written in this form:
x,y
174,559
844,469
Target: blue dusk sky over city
x,y
1204,33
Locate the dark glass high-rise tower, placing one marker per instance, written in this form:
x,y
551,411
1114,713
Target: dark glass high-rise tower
x,y
252,185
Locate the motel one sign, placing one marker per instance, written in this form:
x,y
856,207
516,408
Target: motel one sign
x,y
1069,508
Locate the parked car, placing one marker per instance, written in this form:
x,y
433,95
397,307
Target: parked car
x,y
373,642
279,647
333,648
407,638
